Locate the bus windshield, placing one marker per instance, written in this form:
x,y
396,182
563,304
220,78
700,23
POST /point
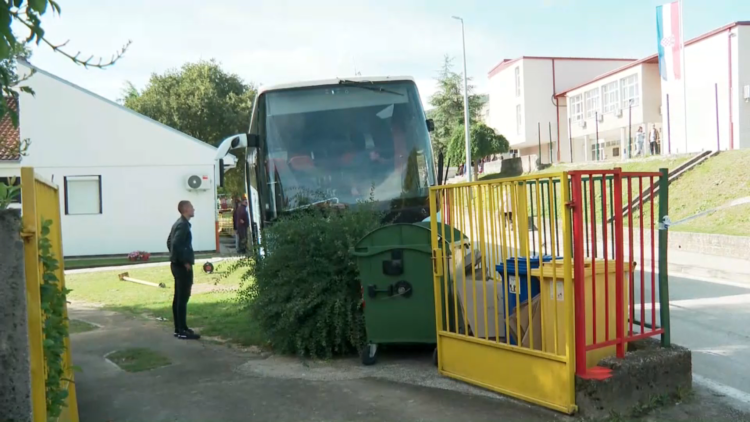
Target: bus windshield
x,y
342,144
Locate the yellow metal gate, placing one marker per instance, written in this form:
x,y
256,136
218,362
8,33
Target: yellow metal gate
x,y
41,202
491,331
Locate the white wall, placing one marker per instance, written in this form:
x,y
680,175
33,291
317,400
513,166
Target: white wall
x,y
537,97
143,166
706,65
741,74
503,101
139,206
651,94
10,169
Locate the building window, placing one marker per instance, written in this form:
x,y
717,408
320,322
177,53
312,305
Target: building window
x,y
629,91
591,102
575,107
610,97
83,195
518,81
519,120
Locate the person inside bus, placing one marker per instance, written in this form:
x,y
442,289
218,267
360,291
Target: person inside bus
x,y
384,172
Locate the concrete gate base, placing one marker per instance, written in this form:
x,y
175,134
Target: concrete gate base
x,y
648,376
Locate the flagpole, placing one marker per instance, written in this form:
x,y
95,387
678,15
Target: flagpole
x,y
684,86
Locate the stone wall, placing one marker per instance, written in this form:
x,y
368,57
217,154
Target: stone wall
x,y
15,382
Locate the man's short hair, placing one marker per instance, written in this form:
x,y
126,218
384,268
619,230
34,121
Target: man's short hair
x,y
182,205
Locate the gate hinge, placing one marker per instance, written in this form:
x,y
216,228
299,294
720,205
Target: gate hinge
x,y
665,223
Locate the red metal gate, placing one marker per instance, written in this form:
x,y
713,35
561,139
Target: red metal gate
x,y
602,241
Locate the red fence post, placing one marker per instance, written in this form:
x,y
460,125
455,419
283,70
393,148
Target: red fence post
x,y
619,261
576,206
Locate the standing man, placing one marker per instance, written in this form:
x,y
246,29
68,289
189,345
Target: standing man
x,y
182,258
654,140
241,223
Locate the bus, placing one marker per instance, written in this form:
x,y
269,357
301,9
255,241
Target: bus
x,y
336,142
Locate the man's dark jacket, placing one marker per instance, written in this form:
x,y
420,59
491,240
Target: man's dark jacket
x,y
180,243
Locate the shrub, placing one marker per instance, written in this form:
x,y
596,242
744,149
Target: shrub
x,y
306,294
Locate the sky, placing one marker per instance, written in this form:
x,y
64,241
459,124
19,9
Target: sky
x,y
267,42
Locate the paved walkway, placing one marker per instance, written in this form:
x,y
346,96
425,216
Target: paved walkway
x,y
213,382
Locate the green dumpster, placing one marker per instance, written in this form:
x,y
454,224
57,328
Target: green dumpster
x,y
395,265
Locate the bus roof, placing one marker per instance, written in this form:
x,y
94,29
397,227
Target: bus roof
x,y
323,82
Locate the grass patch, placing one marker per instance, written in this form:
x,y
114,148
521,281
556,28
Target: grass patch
x,y
213,309
138,359
115,261
76,326
714,183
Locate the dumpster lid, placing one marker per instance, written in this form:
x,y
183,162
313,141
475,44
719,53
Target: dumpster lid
x,y
396,236
555,267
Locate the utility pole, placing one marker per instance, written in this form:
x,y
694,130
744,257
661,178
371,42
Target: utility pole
x,y
470,172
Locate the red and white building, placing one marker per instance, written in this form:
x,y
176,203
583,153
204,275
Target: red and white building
x,y
523,105
716,85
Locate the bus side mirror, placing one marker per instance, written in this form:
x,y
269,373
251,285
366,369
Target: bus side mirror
x,y
253,141
430,125
441,162
221,172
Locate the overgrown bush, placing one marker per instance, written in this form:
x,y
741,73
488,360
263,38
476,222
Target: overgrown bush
x,y
306,294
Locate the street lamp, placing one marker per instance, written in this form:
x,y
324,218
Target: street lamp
x,y
469,173
630,128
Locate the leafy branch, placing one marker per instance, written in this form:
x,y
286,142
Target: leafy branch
x,y
53,301
29,14
8,192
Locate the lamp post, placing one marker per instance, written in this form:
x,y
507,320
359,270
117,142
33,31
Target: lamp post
x,y
630,128
470,169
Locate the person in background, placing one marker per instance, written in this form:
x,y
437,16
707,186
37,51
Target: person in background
x,y
653,138
182,259
241,225
235,205
640,138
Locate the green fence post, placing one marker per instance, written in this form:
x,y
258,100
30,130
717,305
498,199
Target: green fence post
x,y
663,263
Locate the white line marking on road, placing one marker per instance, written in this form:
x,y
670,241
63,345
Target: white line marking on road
x,y
709,302
694,277
710,280
722,389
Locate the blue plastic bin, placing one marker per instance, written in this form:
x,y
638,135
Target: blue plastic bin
x,y
520,275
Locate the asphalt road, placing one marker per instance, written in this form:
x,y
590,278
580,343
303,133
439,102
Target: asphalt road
x,y
712,318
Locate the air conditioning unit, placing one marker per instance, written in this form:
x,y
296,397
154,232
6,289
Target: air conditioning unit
x,y
618,112
582,124
600,117
746,92
198,182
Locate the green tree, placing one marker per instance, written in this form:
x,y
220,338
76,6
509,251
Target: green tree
x,y
448,103
484,141
201,100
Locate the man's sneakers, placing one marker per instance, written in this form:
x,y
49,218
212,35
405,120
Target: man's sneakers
x,y
187,334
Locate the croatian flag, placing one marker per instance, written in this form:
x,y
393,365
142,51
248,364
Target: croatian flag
x,y
669,34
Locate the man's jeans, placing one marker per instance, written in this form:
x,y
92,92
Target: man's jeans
x,y
183,285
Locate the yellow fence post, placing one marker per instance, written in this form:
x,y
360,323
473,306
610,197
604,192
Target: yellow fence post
x,y
569,303
33,294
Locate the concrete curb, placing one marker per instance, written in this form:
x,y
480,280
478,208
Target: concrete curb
x,y
136,266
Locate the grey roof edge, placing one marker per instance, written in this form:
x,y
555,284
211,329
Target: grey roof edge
x,y
25,63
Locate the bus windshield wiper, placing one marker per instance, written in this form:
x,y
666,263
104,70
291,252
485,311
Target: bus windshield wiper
x,y
367,85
